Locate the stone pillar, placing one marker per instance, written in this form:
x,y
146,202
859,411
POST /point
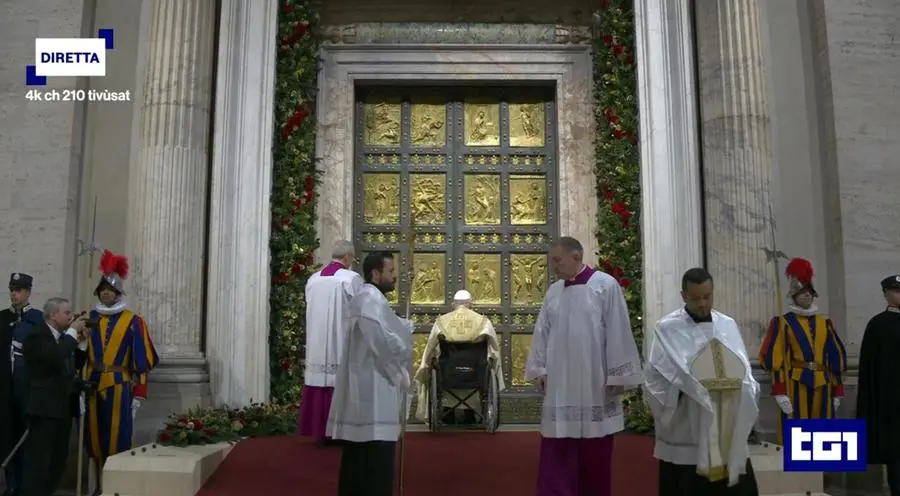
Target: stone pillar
x,y
671,215
737,162
167,199
237,317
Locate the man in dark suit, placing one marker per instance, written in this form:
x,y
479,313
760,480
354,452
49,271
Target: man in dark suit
x,y
54,351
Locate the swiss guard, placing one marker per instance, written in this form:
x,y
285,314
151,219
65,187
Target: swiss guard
x,y
120,356
803,353
15,323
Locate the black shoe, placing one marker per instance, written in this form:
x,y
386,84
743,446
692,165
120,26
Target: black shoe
x,y
329,443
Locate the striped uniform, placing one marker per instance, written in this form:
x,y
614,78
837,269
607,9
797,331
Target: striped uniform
x,y
807,361
120,355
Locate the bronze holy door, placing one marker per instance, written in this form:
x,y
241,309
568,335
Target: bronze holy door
x,y
475,169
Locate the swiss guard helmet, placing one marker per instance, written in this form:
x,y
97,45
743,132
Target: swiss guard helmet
x,y
114,270
799,272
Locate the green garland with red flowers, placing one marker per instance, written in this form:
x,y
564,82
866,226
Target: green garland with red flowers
x,y
293,239
618,171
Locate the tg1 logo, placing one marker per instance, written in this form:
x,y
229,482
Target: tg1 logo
x,y
824,445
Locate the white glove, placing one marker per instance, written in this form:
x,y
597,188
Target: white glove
x,y
785,404
135,405
836,402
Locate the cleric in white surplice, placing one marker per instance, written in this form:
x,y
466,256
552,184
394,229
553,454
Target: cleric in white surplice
x,y
583,356
703,396
371,382
328,294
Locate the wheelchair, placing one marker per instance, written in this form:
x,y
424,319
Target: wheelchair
x,y
465,368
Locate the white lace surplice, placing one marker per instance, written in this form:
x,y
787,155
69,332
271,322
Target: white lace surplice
x,y
583,343
370,381
327,323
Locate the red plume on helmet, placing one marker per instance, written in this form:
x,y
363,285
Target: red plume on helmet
x,y
800,272
799,269
114,269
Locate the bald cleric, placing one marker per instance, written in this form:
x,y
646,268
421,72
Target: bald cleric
x,y
583,357
328,295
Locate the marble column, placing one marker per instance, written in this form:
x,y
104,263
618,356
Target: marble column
x,y
167,189
237,319
168,185
671,217
737,162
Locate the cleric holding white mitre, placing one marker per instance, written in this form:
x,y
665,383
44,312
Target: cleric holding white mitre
x,y
703,396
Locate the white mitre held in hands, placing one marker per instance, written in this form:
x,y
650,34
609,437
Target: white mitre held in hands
x,y
701,390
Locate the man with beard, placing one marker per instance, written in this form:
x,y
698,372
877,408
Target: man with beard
x,y
15,324
372,378
877,401
120,355
703,396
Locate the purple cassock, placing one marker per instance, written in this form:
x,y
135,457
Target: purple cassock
x,y
575,466
316,400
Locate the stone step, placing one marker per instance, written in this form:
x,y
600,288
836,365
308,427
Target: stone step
x,y
154,470
768,465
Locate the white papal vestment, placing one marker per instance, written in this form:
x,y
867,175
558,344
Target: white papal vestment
x,y
328,295
583,343
462,325
693,418
374,373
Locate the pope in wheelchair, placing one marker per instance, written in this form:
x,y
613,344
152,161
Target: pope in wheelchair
x,y
460,376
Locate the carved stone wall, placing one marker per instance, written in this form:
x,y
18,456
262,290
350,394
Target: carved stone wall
x,y
403,53
459,11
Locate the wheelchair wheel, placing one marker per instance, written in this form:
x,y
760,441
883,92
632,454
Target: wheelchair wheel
x,y
492,405
434,402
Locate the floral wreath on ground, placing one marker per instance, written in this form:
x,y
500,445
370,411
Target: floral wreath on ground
x,y
618,172
224,424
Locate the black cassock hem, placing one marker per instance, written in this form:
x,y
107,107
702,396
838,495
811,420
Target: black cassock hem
x,y
683,480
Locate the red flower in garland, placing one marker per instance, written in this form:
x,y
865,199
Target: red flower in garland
x,y
621,209
286,364
619,133
309,187
625,282
608,194
618,49
617,273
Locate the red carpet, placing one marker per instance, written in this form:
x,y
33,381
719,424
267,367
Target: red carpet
x,y
457,464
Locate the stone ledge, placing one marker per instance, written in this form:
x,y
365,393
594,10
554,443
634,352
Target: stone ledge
x,y
768,465
154,470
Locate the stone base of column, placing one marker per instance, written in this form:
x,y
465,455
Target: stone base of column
x,y
176,385
869,483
